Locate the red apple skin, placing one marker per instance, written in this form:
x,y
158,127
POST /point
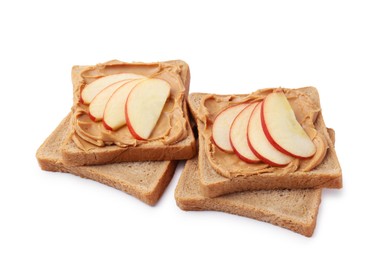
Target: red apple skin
x,y
212,134
92,117
240,156
213,140
270,139
263,159
130,128
244,158
81,97
106,126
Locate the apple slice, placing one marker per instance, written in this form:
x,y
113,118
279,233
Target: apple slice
x,y
144,106
259,143
238,135
282,128
222,126
115,109
98,104
92,89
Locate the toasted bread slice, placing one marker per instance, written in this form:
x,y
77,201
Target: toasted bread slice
x,y
295,210
150,151
327,175
143,180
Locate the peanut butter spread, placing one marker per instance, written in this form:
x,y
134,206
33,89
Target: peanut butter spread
x,y
171,126
230,165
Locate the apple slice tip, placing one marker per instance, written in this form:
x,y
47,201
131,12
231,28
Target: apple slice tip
x,y
133,133
243,158
220,147
107,127
263,159
94,119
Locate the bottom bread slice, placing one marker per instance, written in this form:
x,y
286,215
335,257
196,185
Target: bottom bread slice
x,y
143,180
295,210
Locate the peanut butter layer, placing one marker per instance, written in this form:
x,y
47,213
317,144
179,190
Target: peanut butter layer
x,y
171,126
229,165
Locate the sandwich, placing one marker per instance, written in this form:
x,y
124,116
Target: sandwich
x,y
127,128
264,156
294,151
125,112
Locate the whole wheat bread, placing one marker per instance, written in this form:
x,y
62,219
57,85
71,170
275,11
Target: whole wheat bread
x,y
295,210
326,175
151,151
143,180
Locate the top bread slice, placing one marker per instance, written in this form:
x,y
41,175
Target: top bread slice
x,y
151,151
143,180
326,175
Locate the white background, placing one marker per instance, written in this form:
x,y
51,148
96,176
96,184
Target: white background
x,y
231,46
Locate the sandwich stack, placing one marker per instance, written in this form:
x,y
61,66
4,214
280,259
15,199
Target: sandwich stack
x,y
265,155
130,145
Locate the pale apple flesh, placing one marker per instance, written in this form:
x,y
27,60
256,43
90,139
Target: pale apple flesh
x,y
98,104
259,143
282,128
92,89
144,106
238,135
115,109
222,125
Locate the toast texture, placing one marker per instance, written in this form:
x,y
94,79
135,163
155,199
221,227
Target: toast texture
x,y
151,151
143,180
327,175
295,210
